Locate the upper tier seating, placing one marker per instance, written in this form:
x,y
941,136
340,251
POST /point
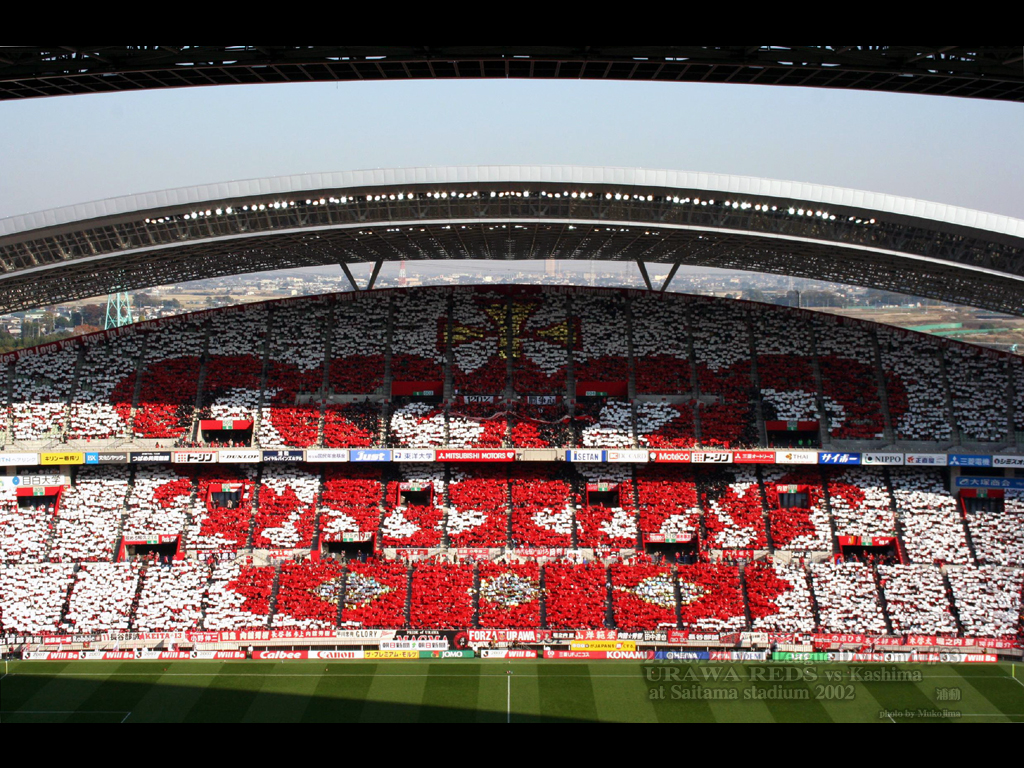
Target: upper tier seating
x,y
914,383
418,425
102,401
784,367
849,378
39,394
979,383
600,351
661,346
170,376
357,344
417,342
540,357
479,342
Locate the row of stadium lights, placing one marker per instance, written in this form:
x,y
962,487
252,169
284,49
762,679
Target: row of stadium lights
x,y
761,207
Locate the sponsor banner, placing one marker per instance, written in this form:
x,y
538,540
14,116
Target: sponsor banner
x,y
280,655
542,399
149,457
326,455
712,457
927,459
61,459
281,457
392,655
34,481
356,636
959,642
753,457
1008,461
682,655
585,456
602,645
367,454
486,399
217,655
422,455
349,537
867,541
685,636
667,538
19,459
106,457
1005,483
628,457
509,635
672,457
489,653
852,459
593,655
737,554
194,457
796,457
885,459
437,644
838,639
240,456
447,655
335,655
738,655
963,460
475,455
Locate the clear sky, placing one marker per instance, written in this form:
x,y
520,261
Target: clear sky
x,y
71,149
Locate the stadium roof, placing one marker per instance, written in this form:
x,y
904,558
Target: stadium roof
x,y
987,72
514,212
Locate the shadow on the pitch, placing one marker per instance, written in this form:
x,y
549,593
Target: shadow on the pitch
x,y
55,698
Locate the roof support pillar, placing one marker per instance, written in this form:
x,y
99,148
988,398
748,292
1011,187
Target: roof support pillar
x,y
376,271
644,275
671,274
348,274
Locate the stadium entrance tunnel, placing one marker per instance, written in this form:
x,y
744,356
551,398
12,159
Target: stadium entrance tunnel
x,y
159,549
355,548
603,495
783,434
685,552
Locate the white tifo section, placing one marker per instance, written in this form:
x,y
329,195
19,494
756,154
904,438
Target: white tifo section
x,y
41,386
931,521
33,597
90,515
101,599
979,384
396,525
172,597
794,605
915,360
847,598
916,599
988,599
147,515
874,516
104,366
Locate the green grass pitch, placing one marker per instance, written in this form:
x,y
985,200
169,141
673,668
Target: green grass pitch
x,y
482,691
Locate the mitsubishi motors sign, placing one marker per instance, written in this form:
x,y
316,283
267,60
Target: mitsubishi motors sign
x,y
476,455
753,457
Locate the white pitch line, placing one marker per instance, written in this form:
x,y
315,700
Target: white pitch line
x,y
126,717
1018,682
508,699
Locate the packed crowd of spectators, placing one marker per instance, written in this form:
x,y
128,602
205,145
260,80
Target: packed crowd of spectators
x,y
914,383
158,504
418,425
39,394
734,513
308,595
804,527
542,513
509,595
358,336
101,404
860,502
33,597
286,512
442,595
102,598
375,594
350,502
668,501
979,382
238,597
598,525
847,598
478,507
710,598
988,599
933,530
849,378
576,595
999,538
540,356
89,516
779,598
25,530
479,342
172,597
170,376
643,596
916,600
218,523
414,525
